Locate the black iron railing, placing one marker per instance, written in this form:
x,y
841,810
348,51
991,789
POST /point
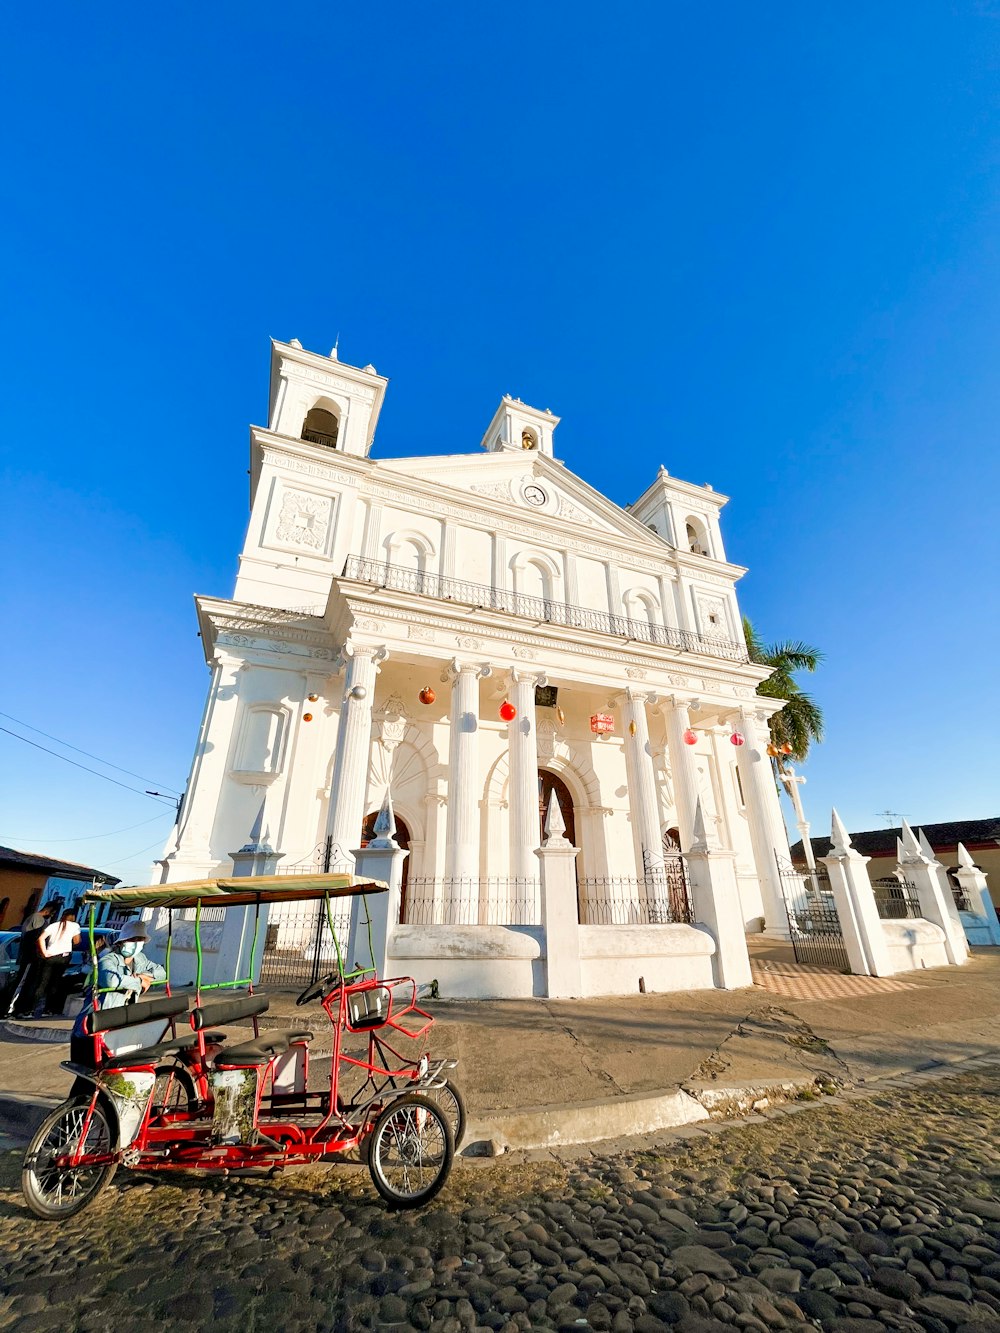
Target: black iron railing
x,y
452,901
896,899
541,609
621,900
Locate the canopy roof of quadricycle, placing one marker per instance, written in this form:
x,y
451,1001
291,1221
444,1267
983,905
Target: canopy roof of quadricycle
x,y
246,891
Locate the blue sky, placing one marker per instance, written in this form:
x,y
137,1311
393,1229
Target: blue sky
x,y
758,245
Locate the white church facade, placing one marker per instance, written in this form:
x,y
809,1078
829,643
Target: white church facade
x,y
475,632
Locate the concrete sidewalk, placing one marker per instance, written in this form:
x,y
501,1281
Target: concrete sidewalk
x,y
542,1072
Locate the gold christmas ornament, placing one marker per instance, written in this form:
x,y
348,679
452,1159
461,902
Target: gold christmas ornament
x,y
631,728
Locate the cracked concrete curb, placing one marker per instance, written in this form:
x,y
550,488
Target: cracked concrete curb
x,y
584,1122
34,1031
20,1116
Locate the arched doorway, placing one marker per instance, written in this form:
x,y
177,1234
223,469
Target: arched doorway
x,y
403,838
547,784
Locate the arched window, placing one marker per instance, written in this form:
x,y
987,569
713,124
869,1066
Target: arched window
x,y
642,606
321,426
259,749
697,537
409,550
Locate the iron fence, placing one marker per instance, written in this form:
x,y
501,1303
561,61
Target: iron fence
x,y
813,921
299,945
648,900
962,900
485,597
896,899
472,902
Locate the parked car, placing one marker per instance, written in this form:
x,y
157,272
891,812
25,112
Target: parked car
x,y
10,943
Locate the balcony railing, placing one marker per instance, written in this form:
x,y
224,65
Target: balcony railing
x,y
541,609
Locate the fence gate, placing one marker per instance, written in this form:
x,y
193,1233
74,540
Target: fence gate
x,y
817,937
298,945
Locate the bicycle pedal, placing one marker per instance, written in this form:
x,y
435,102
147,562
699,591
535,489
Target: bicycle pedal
x,y
130,1157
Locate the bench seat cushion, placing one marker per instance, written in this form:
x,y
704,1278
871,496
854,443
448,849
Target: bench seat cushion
x,y
259,1051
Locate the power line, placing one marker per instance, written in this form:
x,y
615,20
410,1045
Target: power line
x,y
66,745
118,862
12,841
138,790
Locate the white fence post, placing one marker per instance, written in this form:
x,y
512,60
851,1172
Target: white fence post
x,y
972,881
382,859
860,923
937,902
560,919
715,898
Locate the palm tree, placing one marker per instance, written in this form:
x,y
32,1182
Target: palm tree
x,y
800,722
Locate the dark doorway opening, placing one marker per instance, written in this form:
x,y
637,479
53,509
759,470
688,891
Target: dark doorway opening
x,y
403,838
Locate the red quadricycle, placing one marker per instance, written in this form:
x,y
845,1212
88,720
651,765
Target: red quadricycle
x,y
166,1089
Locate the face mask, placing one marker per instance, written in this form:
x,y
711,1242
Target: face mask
x,y
129,948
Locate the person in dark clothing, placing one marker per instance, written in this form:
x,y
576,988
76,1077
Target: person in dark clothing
x,y
28,957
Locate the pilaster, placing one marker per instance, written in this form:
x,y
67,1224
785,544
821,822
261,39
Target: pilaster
x,y
523,784
682,769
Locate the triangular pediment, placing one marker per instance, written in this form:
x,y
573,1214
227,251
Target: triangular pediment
x,y
522,487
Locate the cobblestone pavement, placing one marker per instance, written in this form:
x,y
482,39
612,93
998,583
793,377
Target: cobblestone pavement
x,y
874,1212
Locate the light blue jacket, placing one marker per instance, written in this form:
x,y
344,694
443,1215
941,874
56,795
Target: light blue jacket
x,y
117,982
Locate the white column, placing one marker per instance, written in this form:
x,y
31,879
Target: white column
x,y
523,793
350,769
462,839
642,783
682,769
761,795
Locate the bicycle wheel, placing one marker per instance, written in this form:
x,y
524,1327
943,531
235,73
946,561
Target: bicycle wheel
x,y
55,1191
411,1151
452,1104
173,1092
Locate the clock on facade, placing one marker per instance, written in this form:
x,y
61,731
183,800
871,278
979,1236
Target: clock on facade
x,y
534,495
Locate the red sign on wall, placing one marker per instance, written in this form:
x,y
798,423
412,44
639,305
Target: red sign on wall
x,y
602,723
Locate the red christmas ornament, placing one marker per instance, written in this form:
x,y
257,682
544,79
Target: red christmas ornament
x,y
313,698
507,711
307,717
736,739
786,748
689,737
427,695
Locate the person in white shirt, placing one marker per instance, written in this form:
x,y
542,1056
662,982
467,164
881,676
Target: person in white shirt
x,y
56,945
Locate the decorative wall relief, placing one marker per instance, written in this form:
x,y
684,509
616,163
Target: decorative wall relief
x,y
420,632
712,621
472,644
635,673
391,722
497,490
304,520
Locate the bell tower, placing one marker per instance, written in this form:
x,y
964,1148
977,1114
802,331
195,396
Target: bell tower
x,y
516,427
321,400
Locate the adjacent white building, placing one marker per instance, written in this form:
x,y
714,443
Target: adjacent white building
x,y
384,614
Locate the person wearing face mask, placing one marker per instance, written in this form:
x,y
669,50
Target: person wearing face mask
x,y
124,973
